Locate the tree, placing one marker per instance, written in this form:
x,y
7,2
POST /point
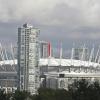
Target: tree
x,y
78,89
62,94
21,95
2,95
84,90
51,94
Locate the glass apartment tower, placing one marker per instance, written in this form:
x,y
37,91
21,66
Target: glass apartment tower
x,y
28,70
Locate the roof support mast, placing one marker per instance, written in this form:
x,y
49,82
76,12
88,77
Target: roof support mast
x,y
91,54
12,52
83,53
60,56
49,49
2,54
72,55
6,54
97,54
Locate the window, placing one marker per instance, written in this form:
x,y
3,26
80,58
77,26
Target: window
x,y
22,71
22,38
22,48
61,75
22,80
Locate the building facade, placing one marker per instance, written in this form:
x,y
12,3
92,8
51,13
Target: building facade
x,y
28,70
62,80
43,49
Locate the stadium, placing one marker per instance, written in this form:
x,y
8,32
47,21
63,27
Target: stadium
x,y
32,64
54,72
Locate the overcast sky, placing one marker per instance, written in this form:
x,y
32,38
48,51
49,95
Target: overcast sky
x,y
59,20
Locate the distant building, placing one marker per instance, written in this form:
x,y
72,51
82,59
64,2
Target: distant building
x,y
8,77
61,80
43,49
28,70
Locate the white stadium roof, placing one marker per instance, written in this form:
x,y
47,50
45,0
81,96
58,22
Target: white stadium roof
x,y
66,62
56,62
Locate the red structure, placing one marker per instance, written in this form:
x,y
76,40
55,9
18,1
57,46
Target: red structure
x,y
49,49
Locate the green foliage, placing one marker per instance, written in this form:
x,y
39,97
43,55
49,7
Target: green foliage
x,y
21,95
50,94
2,95
84,90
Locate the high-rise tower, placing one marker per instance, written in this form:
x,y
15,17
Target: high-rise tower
x,y
28,70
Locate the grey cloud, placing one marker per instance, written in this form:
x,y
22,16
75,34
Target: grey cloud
x,y
57,19
52,11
